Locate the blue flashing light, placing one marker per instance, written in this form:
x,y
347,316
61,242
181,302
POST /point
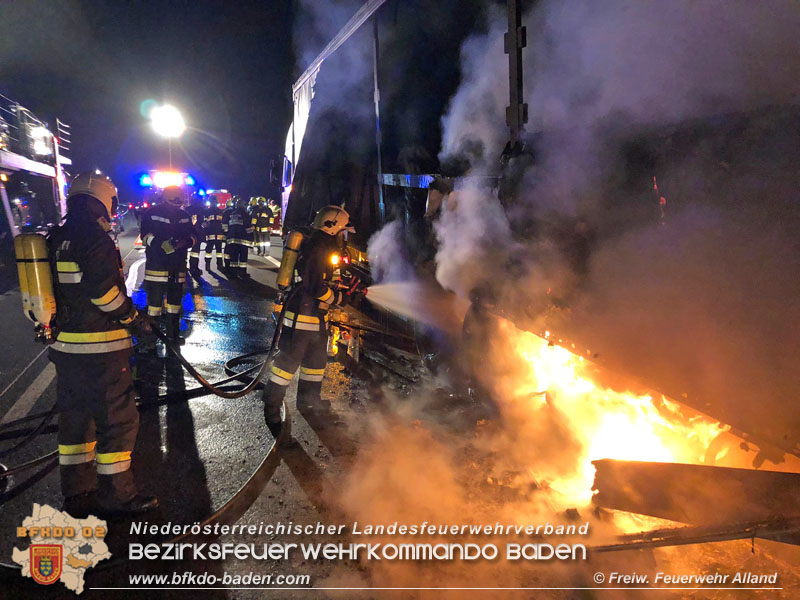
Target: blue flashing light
x,y
145,180
189,180
201,192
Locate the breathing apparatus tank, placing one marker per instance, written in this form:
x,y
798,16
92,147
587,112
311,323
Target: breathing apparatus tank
x,y
289,259
36,283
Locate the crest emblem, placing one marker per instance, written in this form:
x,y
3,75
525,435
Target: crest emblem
x,y
46,562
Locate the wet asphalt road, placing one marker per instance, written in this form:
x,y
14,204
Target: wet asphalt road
x,y
194,455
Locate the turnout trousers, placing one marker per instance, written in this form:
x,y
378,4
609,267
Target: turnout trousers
x,y
262,242
156,285
303,349
211,246
238,257
194,256
97,424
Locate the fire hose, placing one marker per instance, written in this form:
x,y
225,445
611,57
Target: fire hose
x,y
256,480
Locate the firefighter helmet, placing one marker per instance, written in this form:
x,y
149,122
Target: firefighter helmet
x,y
229,203
253,201
332,220
173,195
97,185
262,201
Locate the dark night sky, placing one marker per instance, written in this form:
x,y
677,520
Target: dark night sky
x,y
227,66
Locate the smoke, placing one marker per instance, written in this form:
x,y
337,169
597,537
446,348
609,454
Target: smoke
x,y
387,255
702,301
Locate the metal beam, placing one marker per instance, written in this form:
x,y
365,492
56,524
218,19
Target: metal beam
x,y
515,40
696,494
358,19
17,162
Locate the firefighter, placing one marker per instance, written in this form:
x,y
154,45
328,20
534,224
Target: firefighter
x,y
238,238
212,230
275,221
226,214
261,221
167,233
303,342
197,214
98,420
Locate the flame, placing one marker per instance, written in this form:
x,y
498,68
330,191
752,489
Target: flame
x,y
605,423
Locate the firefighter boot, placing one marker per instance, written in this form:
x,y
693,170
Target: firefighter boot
x,y
208,264
220,265
194,267
82,505
135,506
174,329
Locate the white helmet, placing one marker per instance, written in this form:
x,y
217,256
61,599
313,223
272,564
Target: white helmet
x,y
97,185
173,195
332,220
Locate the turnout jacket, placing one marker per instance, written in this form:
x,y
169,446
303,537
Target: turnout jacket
x,y
164,227
308,307
236,226
260,218
197,214
212,224
92,304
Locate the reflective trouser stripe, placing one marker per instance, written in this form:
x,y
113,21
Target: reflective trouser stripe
x,y
113,462
326,296
156,275
302,318
173,309
300,325
307,374
194,254
154,311
280,376
76,454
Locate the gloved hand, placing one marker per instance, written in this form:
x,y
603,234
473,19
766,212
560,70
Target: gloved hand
x,y
180,244
140,325
168,247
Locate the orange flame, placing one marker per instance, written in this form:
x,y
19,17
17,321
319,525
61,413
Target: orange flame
x,y
605,423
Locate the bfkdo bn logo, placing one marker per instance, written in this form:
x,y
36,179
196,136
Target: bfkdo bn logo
x,y
46,562
62,548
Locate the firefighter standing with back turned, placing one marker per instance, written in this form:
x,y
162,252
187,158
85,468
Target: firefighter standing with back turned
x,y
261,220
197,214
212,230
167,233
238,238
304,338
98,419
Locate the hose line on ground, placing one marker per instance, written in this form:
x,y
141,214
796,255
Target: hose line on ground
x,y
212,387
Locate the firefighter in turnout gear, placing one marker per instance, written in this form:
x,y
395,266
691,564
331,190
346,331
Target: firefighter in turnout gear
x,y
197,213
238,238
225,217
261,219
167,233
304,338
275,218
212,230
98,419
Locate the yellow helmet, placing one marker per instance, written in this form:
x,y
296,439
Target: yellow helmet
x,y
253,201
97,185
332,220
